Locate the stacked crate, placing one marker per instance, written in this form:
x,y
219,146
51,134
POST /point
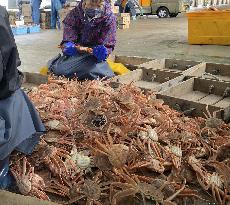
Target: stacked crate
x,y
123,20
12,17
27,14
45,19
115,9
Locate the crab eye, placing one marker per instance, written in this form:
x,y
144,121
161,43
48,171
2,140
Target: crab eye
x,y
99,120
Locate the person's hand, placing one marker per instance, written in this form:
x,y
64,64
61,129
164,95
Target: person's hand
x,y
69,49
100,52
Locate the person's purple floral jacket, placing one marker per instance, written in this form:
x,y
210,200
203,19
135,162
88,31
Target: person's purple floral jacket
x,y
100,31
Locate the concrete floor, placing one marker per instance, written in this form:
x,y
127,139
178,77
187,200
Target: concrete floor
x,y
152,37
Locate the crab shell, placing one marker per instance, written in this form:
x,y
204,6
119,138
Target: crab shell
x,y
118,155
92,190
216,180
176,150
24,185
83,161
38,181
150,134
151,192
213,122
52,124
158,166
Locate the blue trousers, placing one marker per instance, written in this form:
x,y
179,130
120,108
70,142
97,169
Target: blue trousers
x,y
82,66
36,11
55,7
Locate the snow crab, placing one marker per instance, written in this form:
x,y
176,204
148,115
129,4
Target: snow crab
x,y
29,183
92,190
211,119
208,181
133,186
52,158
79,161
116,153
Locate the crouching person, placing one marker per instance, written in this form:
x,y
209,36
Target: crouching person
x,y
20,125
92,25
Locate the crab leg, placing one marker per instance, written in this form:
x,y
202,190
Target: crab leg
x,y
39,194
75,199
175,194
122,194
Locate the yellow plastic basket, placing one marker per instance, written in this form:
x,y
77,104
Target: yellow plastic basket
x,y
209,27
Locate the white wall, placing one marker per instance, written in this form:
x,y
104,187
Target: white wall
x,y
45,2
4,3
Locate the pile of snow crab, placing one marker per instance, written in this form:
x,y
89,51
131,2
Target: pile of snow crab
x,y
117,146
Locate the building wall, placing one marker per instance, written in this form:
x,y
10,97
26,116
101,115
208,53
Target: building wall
x,y
12,4
4,3
9,4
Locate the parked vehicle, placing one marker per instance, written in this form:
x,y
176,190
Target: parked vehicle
x,y
162,8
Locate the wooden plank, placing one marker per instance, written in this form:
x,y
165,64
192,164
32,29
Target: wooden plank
x,y
193,96
131,60
223,78
216,68
198,70
35,78
129,77
216,71
199,108
223,103
210,99
146,85
160,76
180,89
166,85
179,65
8,198
204,85
154,64
145,77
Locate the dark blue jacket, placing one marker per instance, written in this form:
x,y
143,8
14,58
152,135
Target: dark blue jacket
x,y
63,2
10,77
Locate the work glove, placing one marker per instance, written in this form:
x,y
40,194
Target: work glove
x,y
69,49
100,52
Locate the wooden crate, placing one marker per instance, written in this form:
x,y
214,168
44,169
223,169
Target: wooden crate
x,y
45,16
9,198
193,95
45,20
115,9
123,26
45,25
33,79
12,19
131,62
124,15
26,10
28,20
124,19
183,66
148,79
212,71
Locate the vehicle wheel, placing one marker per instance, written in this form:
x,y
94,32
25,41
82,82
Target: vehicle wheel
x,y
163,12
173,15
